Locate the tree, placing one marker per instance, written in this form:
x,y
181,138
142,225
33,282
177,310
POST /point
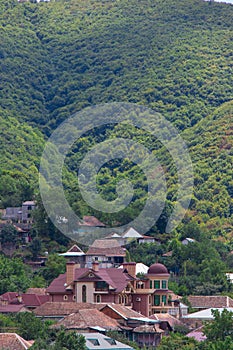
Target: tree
x,y
70,341
55,265
9,235
35,247
221,327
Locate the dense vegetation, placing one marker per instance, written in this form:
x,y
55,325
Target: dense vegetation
x,y
176,57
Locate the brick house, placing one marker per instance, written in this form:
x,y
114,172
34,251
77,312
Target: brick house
x,y
147,295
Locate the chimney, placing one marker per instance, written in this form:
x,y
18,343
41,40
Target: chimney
x,y
19,298
70,268
95,266
131,268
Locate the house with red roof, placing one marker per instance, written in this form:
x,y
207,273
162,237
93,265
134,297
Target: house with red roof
x,y
147,295
12,341
27,300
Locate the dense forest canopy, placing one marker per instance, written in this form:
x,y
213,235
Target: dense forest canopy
x,y
175,57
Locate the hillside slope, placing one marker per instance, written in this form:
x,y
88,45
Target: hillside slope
x,y
58,57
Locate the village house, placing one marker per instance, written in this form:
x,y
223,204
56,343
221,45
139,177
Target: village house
x,y
107,252
22,301
147,295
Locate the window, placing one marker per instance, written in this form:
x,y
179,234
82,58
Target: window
x,y
65,297
164,299
164,284
74,297
84,294
111,341
98,298
151,284
94,342
100,285
156,300
157,284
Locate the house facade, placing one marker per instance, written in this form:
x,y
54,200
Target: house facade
x,y
147,295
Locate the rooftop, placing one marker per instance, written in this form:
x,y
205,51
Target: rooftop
x,y
62,309
83,319
12,341
211,301
103,342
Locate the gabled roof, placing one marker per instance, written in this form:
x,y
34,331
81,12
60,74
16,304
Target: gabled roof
x,y
91,221
84,319
12,341
173,321
122,311
211,301
113,235
131,233
61,309
103,342
73,251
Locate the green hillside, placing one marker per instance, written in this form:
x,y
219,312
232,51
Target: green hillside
x,y
58,57
176,57
21,147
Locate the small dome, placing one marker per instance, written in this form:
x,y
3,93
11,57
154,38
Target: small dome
x,y
157,269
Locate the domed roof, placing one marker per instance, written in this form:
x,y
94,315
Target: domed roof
x,y
157,269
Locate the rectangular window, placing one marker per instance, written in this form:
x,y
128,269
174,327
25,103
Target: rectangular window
x,y
156,300
151,285
164,284
164,299
157,284
101,285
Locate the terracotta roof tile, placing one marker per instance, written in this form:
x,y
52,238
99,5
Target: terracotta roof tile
x,y
123,311
63,308
168,318
11,308
84,319
213,301
12,341
91,221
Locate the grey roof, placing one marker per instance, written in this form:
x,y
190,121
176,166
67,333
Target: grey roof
x,y
131,233
103,342
206,314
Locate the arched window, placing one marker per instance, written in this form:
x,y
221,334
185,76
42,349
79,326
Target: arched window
x,y
65,297
119,299
74,297
98,298
84,294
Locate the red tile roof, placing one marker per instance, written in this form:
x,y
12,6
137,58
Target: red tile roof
x,y
84,319
5,309
212,301
123,311
12,341
115,277
63,308
91,221
28,300
167,318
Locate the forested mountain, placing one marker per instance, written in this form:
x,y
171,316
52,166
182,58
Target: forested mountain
x,y
176,57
